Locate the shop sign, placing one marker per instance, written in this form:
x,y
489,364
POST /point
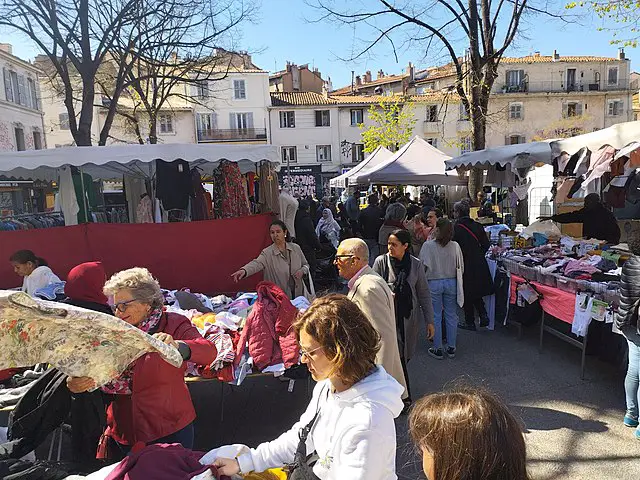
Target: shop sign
x,y
302,181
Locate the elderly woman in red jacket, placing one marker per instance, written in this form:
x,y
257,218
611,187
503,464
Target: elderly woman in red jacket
x,y
150,401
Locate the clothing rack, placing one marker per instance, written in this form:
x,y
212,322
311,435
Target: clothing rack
x,y
24,215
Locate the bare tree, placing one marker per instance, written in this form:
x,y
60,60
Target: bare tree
x,y
94,46
488,28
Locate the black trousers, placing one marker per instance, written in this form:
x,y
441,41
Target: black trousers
x,y
470,306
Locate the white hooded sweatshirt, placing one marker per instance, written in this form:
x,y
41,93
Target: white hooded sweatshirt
x,y
354,435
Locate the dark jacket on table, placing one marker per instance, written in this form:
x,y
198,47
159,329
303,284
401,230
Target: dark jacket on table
x,y
474,244
627,317
160,403
371,219
597,223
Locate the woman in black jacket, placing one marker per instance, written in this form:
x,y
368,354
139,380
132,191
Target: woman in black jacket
x,y
477,280
306,235
628,323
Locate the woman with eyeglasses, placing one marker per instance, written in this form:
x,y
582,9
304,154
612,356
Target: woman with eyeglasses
x,y
150,401
348,429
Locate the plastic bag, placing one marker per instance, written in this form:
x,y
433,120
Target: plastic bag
x,y
546,228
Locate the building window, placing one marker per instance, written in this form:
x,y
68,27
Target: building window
x,y
571,109
612,76
166,123
19,131
466,146
287,119
464,113
515,140
63,120
615,108
515,111
202,89
357,152
357,117
515,81
432,113
289,155
239,90
241,121
37,140
207,122
323,153
432,141
33,94
323,118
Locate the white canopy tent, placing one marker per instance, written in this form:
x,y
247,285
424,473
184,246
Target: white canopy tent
x,y
417,163
522,155
378,156
618,136
114,161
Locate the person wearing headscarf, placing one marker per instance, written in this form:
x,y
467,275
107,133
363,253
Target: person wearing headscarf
x,y
406,278
327,227
84,287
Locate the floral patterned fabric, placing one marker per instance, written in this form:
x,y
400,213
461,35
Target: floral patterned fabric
x,y
78,342
229,195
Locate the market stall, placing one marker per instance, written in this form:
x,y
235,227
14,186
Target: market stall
x,y
377,157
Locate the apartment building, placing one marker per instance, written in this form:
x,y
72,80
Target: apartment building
x,y
21,124
296,78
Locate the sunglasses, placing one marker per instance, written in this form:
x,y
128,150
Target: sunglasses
x,y
304,353
122,306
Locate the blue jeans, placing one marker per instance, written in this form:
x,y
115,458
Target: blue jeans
x,y
444,295
374,250
632,381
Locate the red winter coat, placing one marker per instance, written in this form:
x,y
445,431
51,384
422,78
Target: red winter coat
x,y
269,330
160,403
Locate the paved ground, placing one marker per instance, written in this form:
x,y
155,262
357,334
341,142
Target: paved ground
x,y
573,427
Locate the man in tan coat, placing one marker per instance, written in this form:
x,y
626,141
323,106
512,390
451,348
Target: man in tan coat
x,y
371,293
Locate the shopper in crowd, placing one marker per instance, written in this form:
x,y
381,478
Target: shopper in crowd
x,y
394,219
84,287
371,219
468,434
34,271
371,293
150,401
477,279
432,219
282,263
597,220
306,235
352,209
628,323
405,276
384,203
328,229
349,423
444,262
427,202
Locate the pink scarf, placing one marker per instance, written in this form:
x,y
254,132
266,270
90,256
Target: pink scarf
x,y
123,385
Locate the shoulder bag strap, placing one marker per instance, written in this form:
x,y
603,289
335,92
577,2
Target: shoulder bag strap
x,y
469,230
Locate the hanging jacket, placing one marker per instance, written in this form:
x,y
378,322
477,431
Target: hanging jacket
x,y
160,403
627,319
269,331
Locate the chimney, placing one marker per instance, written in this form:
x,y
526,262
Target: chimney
x,y
621,55
247,60
6,47
367,77
411,72
325,89
380,74
556,56
358,81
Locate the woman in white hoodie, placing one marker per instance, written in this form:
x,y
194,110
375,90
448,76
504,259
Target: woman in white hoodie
x,y
34,270
348,430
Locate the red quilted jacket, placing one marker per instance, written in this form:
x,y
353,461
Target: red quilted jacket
x,y
269,330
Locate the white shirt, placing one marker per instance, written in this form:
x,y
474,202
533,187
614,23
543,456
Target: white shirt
x,y
39,278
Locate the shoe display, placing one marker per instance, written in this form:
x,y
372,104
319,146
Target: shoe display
x,y
436,353
451,352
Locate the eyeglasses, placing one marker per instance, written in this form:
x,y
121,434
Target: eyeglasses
x,y
304,353
338,257
122,306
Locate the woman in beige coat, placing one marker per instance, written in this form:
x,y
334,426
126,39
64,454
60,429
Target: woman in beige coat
x,y
283,263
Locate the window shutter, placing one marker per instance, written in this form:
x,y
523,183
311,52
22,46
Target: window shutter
x,y
565,110
199,122
214,120
7,85
21,93
233,121
579,109
507,140
250,120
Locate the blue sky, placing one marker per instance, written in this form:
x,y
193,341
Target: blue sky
x,y
282,33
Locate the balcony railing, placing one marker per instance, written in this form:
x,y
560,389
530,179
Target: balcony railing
x,y
431,127
232,135
561,86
